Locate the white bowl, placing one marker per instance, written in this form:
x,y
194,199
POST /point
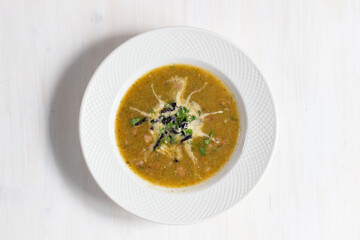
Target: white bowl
x,y
129,62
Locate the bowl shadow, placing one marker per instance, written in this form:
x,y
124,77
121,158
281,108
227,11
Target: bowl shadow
x,y
63,127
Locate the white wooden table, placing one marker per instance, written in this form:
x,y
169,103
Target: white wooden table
x,y
309,52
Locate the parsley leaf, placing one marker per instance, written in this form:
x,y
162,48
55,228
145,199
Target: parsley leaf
x,y
202,150
207,141
192,118
188,131
134,121
211,135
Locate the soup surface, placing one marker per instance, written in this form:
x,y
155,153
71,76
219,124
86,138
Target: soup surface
x,y
177,126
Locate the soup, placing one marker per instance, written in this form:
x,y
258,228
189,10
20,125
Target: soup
x,y
177,126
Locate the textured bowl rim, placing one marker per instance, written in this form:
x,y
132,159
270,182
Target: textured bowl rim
x,y
105,61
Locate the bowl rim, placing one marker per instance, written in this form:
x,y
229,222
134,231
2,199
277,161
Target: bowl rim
x,y
105,61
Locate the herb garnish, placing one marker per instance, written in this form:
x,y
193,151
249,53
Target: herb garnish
x,y
206,142
134,121
186,138
137,121
202,150
188,131
174,121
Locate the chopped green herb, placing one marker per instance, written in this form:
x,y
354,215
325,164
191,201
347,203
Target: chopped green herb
x,y
199,112
181,114
202,150
173,124
211,135
207,141
134,121
188,131
161,130
152,111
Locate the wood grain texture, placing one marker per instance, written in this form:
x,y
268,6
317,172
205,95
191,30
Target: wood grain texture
x,y
309,52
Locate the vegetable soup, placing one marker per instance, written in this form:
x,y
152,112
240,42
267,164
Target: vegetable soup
x,y
177,126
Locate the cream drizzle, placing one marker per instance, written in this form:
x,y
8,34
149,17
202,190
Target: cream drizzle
x,y
196,125
160,101
207,114
145,114
196,91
